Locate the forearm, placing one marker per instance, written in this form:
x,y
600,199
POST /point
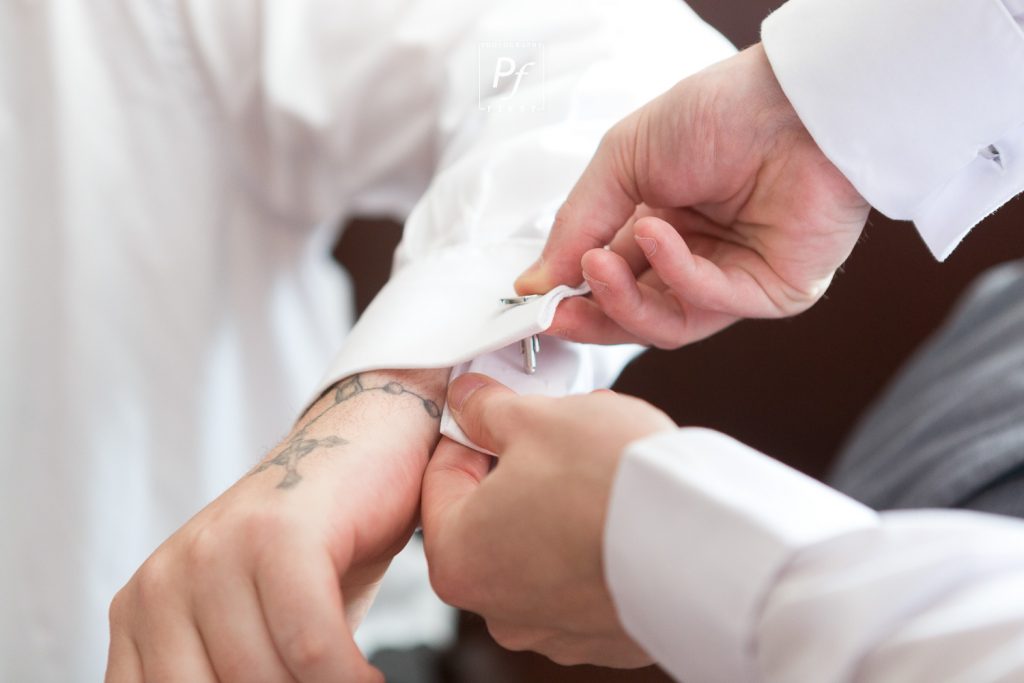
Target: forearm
x,y
294,551
359,408
375,429
924,124
910,595
463,232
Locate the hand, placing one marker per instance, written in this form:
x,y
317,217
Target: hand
x,y
717,205
267,583
521,546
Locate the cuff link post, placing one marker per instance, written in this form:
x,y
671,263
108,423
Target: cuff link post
x,y
530,346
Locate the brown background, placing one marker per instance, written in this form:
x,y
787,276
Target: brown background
x,y
792,389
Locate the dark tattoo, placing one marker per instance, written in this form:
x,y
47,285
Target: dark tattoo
x,y
302,444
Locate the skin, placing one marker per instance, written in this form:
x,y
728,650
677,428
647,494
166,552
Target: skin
x,y
716,204
268,582
522,545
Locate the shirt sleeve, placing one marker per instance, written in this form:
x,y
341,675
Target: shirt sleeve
x,y
920,103
396,106
726,565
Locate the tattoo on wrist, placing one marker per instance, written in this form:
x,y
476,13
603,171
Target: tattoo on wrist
x,y
302,444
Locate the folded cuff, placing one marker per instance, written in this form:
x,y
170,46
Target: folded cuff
x,y
699,528
919,103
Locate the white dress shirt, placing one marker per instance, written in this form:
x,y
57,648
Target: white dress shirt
x,y
728,566
920,103
170,175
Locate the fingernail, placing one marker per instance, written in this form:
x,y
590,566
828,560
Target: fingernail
x,y
648,244
462,388
533,270
594,282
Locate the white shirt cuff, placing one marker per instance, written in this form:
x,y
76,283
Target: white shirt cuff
x,y
444,310
563,368
909,98
699,526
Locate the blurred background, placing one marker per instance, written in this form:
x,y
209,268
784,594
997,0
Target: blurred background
x,y
792,389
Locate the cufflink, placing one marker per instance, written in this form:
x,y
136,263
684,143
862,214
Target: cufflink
x,y
992,154
518,300
530,346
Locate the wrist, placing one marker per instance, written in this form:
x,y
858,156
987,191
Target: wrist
x,y
398,403
773,106
368,422
782,129
430,384
378,429
404,407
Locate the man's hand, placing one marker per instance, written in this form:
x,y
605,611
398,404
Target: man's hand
x,y
268,582
716,204
521,546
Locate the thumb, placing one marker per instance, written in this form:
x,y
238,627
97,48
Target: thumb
x,y
482,408
453,473
601,202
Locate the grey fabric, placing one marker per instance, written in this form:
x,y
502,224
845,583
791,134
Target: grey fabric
x,y
1005,496
949,431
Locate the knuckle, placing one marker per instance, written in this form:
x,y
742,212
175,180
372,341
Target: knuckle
x,y
263,529
517,412
117,613
512,638
153,580
204,549
441,582
670,334
564,216
566,656
667,341
794,300
449,584
306,650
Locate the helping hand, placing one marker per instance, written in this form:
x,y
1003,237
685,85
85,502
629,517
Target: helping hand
x,y
716,204
522,545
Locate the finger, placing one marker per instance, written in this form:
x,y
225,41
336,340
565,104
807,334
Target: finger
x,y
627,302
482,407
237,639
572,650
301,600
174,652
453,473
581,320
656,316
700,281
625,245
517,637
602,200
123,662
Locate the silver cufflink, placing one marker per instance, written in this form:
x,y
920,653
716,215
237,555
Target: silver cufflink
x,y
530,346
993,154
518,300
